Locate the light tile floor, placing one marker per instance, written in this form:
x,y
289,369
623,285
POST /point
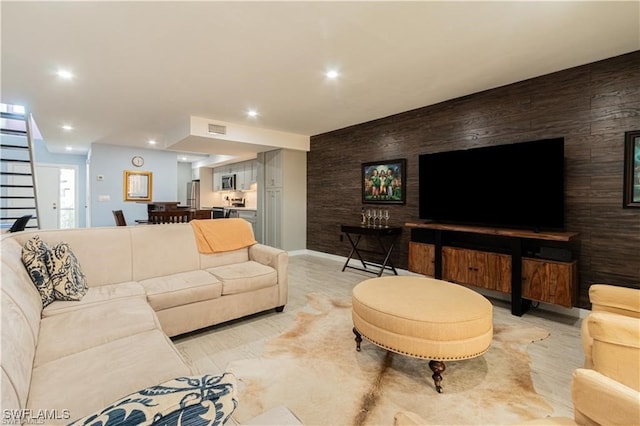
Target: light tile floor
x,y
553,359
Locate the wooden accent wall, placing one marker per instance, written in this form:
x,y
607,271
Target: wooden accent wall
x,y
591,106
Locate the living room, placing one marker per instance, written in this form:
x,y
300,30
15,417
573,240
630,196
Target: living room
x,y
591,105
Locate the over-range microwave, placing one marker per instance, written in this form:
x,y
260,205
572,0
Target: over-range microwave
x,y
229,182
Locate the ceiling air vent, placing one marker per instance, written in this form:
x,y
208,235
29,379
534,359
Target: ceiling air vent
x,y
217,129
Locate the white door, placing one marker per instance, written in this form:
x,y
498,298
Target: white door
x,y
57,196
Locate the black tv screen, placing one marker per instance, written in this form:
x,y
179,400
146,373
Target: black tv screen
x,y
518,185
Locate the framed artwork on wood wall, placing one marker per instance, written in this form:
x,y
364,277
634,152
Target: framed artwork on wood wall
x,y
632,169
384,182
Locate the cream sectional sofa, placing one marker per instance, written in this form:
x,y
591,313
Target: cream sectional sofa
x,y
146,283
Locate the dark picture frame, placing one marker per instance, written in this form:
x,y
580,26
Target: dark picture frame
x,y
392,190
632,169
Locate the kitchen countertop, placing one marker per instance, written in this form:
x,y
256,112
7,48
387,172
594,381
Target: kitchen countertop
x,y
230,208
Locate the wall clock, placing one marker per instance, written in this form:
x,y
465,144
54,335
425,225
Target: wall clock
x,y
137,161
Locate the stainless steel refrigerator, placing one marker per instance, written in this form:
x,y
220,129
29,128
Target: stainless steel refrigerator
x,y
193,194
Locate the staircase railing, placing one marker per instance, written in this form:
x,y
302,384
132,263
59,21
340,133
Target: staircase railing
x,y
18,194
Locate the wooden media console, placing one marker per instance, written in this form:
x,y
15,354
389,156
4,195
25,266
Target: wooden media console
x,y
528,265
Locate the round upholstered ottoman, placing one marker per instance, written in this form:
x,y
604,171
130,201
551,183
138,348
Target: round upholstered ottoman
x,y
423,318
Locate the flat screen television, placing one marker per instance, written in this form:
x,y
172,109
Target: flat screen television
x,y
518,185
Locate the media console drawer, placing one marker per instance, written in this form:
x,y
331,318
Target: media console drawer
x,y
550,281
479,268
421,258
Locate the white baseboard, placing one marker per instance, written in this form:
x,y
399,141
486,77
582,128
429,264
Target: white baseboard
x,y
571,312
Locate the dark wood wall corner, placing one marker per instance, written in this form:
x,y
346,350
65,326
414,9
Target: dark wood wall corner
x,y
591,106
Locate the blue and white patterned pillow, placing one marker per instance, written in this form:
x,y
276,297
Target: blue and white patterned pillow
x,y
35,255
191,400
69,283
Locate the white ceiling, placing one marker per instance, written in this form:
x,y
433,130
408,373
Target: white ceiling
x,y
143,68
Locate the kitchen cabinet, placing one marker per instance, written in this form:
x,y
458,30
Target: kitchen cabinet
x,y
284,196
217,179
241,178
273,215
273,169
245,172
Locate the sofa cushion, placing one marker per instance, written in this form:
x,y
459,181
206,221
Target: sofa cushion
x,y
87,381
181,289
69,283
163,250
80,329
245,276
224,258
35,256
96,295
191,400
106,254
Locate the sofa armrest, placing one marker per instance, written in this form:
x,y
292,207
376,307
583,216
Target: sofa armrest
x,y
279,260
266,255
601,400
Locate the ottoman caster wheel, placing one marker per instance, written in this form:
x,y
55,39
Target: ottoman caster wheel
x,y
438,368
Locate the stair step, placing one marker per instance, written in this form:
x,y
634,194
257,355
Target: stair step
x,y
17,197
14,174
18,208
12,116
15,186
12,146
13,132
10,160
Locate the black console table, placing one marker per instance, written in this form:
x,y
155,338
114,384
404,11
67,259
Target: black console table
x,y
384,237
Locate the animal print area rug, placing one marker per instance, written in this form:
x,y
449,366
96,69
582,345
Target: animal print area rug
x,y
315,370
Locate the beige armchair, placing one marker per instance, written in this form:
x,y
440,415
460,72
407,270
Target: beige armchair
x,y
607,390
607,298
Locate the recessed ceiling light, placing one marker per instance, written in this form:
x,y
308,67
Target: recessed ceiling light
x,y
252,113
67,127
65,74
152,142
332,74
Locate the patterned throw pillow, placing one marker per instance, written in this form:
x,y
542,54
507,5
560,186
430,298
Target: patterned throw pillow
x,y
35,255
69,283
191,400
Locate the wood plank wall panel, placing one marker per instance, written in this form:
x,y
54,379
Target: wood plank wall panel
x,y
590,106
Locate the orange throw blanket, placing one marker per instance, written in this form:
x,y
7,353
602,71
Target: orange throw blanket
x,y
218,235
